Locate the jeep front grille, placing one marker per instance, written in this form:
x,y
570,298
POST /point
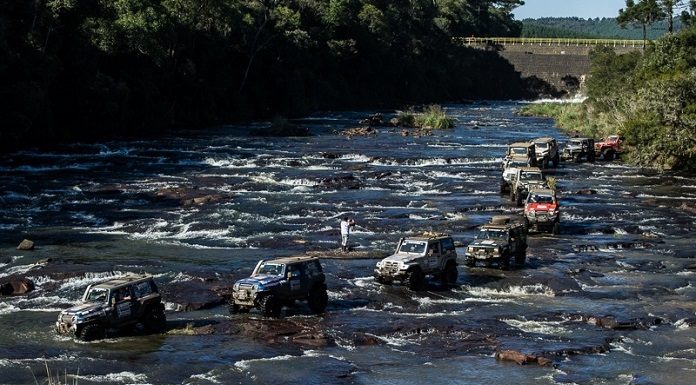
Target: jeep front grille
x,y
66,318
390,267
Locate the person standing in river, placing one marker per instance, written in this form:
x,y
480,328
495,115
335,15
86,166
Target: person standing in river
x,y
346,224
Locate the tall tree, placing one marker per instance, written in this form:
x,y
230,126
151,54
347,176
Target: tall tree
x,y
643,13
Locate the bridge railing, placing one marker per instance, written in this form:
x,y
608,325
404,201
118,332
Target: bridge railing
x,y
549,41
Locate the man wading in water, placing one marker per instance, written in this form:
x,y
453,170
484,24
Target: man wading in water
x,y
346,224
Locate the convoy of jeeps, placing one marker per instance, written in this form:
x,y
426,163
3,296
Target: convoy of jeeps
x,y
133,301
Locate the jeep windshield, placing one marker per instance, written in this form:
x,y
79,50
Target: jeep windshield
x,y
541,145
270,269
531,175
518,151
538,198
412,247
97,294
575,143
518,163
492,233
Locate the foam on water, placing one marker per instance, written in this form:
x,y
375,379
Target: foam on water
x,y
122,377
245,365
539,327
511,291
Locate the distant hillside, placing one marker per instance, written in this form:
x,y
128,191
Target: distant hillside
x,y
574,27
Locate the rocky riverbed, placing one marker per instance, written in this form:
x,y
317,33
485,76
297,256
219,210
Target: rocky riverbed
x,y
609,301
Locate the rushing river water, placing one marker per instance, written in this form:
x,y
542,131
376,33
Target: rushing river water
x,y
625,252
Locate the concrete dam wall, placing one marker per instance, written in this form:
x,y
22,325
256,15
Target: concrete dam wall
x,y
562,63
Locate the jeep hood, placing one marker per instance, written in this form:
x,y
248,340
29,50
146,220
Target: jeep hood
x,y
402,257
262,280
488,243
87,307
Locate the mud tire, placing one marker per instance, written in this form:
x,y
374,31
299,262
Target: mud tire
x,y
450,275
155,321
556,160
608,154
318,298
270,306
556,229
91,332
505,262
415,280
521,257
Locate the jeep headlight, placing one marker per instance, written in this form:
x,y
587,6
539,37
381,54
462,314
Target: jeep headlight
x,y
496,251
470,249
379,265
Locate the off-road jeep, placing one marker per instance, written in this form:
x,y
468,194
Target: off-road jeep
x,y
546,152
112,305
525,179
578,149
498,241
417,257
510,167
522,150
609,148
278,282
542,211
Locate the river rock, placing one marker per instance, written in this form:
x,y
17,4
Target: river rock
x,y
308,332
521,358
586,191
26,245
372,120
191,295
188,196
348,182
16,286
363,339
359,131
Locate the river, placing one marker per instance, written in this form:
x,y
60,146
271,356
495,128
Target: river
x,y
625,252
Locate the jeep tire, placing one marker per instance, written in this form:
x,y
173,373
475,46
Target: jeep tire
x,y
91,332
155,320
556,229
450,275
415,280
270,306
505,261
318,298
521,257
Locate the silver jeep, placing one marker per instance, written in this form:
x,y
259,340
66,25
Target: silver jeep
x,y
417,257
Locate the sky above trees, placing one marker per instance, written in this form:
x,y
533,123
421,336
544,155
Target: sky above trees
x,y
568,8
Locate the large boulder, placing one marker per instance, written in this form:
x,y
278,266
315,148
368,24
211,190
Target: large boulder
x,y
16,286
26,244
192,295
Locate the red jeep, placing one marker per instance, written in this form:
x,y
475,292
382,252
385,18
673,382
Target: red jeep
x,y
609,148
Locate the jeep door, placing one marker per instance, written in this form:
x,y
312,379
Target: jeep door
x,y
125,305
296,279
433,256
448,250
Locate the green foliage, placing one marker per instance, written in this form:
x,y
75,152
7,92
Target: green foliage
x,y
89,69
603,28
434,117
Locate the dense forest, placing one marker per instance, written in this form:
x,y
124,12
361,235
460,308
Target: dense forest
x,y
604,28
81,69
